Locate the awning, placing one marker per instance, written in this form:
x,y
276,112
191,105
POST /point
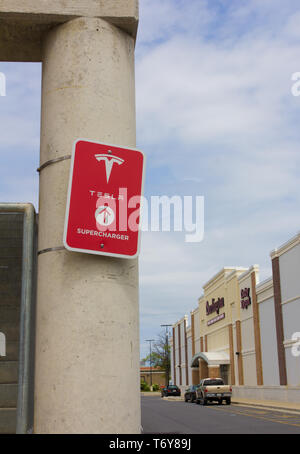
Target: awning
x,y
211,358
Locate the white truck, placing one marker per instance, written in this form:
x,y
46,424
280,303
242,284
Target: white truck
x,y
213,389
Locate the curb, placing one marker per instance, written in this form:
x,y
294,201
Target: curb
x,y
150,393
245,404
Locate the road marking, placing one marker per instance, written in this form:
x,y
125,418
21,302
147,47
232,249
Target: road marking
x,y
288,423
279,410
288,413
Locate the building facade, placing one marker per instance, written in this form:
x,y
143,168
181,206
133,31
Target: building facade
x,y
153,376
245,331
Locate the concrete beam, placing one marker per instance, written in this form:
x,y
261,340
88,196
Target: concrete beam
x,y
23,24
45,12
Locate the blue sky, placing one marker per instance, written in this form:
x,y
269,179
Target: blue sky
x,y
216,117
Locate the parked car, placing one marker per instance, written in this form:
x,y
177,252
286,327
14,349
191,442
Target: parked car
x,y
190,393
213,389
170,390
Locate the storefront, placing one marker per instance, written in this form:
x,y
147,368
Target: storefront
x,y
153,376
244,331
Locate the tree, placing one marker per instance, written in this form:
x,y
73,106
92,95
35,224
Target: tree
x,y
160,356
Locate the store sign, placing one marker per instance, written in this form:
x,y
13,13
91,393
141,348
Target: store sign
x,y
245,298
215,306
216,319
104,200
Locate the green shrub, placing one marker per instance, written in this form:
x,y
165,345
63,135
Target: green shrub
x,y
155,387
144,386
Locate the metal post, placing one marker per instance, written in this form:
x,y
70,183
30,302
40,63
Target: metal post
x,y
167,353
150,341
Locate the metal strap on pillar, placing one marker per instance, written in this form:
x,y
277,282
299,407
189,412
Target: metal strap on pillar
x,y
53,161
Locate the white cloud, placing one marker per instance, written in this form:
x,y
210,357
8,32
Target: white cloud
x,y
160,19
216,110
20,133
199,92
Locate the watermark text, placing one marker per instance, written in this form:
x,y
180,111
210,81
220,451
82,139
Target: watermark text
x,y
296,345
115,212
2,84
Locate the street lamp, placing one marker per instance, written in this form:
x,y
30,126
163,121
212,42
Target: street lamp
x,y
150,341
167,354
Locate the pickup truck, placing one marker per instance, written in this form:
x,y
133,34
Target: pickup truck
x,y
213,389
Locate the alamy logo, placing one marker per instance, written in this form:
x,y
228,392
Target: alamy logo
x,y
296,344
2,345
2,85
109,160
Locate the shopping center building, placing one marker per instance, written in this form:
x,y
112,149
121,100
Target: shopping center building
x,y
245,331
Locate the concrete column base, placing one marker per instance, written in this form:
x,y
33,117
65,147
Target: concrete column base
x,y
268,393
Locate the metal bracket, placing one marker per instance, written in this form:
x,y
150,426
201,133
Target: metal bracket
x,y
53,161
51,249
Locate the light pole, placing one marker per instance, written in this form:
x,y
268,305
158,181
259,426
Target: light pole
x,y
167,353
150,341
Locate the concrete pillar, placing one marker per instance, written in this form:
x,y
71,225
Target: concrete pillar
x,y
203,369
195,375
256,329
231,353
239,351
87,335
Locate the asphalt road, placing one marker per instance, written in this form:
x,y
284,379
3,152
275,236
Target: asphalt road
x,y
176,417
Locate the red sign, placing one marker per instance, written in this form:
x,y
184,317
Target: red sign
x,y
104,200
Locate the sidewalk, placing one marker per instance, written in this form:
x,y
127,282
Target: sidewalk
x,y
150,393
270,404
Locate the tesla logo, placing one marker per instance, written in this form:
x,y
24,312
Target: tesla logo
x,y
109,160
105,215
